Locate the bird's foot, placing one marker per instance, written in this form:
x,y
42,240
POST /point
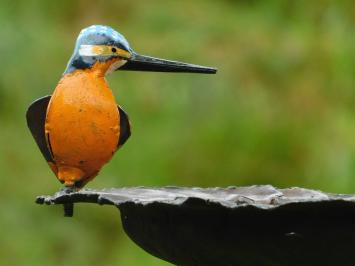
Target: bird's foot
x,y
67,190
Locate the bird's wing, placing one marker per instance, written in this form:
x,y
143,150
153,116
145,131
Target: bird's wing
x,y
36,119
125,127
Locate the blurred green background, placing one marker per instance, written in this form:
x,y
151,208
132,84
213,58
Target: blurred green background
x,y
281,110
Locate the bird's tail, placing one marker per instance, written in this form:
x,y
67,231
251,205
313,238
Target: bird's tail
x,y
70,175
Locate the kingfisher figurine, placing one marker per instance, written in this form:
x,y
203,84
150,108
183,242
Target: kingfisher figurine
x,y
80,126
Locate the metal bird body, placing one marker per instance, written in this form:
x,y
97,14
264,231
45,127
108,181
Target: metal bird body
x,y
80,127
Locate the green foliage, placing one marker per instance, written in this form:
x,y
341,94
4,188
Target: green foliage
x,y
280,110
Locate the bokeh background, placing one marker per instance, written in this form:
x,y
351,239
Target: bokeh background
x,y
280,111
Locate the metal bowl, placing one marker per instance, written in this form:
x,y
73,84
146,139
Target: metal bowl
x,y
247,226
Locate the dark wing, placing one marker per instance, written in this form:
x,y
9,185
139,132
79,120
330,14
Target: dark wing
x,y
125,127
36,119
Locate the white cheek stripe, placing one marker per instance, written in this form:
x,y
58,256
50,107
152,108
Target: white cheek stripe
x,y
87,50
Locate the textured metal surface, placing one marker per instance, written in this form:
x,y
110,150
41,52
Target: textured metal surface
x,y
258,225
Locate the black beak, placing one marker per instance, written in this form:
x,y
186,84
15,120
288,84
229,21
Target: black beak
x,y
147,63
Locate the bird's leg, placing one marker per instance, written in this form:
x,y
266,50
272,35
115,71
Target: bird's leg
x,y
68,206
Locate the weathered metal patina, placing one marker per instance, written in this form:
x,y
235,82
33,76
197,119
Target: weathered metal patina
x,y
246,226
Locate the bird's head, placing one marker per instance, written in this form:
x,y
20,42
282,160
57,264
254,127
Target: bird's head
x,y
104,48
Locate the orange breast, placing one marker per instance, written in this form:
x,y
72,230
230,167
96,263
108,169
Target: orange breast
x,y
82,126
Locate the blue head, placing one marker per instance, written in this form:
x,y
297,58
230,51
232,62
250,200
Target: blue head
x,y
103,44
98,43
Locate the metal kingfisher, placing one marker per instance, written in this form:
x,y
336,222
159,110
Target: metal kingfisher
x,y
80,126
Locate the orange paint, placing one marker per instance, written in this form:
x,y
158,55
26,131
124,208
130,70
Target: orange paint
x,y
82,125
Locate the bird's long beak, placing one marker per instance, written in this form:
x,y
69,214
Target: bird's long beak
x,y
139,62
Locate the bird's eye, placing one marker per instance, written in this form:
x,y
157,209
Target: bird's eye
x,y
114,50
